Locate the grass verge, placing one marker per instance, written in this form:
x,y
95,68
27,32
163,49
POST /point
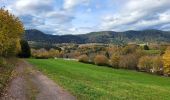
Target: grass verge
x,y
6,68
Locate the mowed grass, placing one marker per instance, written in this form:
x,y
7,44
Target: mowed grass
x,y
91,82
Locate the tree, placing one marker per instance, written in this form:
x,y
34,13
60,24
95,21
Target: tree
x,y
25,49
53,53
129,49
114,61
166,62
40,54
101,60
84,59
128,61
11,29
145,63
151,64
145,47
157,65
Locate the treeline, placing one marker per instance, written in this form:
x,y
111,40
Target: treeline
x,y
133,57
118,38
152,59
44,54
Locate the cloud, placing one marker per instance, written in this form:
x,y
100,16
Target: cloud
x,y
83,16
161,19
165,27
42,15
31,21
138,14
22,7
59,17
71,4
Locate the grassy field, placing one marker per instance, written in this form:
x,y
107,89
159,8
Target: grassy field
x,y
152,52
90,82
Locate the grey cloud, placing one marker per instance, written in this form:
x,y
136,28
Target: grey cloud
x,y
134,14
60,17
31,21
71,4
41,14
137,14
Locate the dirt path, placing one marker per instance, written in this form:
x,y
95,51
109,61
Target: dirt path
x,y
29,84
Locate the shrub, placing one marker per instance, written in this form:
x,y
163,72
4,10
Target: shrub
x,y
145,63
128,61
157,65
114,50
61,54
6,68
83,58
139,53
129,49
40,54
53,53
43,53
166,62
2,62
151,64
76,54
91,57
114,61
101,60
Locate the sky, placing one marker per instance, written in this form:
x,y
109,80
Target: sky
x,y
60,17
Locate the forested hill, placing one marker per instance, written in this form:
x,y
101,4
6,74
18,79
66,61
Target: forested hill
x,y
151,36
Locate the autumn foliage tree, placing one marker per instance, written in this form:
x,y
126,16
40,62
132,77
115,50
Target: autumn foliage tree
x,y
11,29
145,63
83,58
151,64
166,62
128,61
114,61
53,53
157,65
101,60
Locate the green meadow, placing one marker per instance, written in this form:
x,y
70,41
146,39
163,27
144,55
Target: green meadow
x,y
91,82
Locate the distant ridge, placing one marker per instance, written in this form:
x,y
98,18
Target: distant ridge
x,y
150,36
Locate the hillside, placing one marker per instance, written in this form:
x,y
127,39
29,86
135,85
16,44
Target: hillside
x,y
91,82
151,36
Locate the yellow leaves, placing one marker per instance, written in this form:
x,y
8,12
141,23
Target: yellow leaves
x,y
11,30
18,46
53,53
115,60
43,53
166,61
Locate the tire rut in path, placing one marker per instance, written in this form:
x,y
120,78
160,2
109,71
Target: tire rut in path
x,y
30,84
